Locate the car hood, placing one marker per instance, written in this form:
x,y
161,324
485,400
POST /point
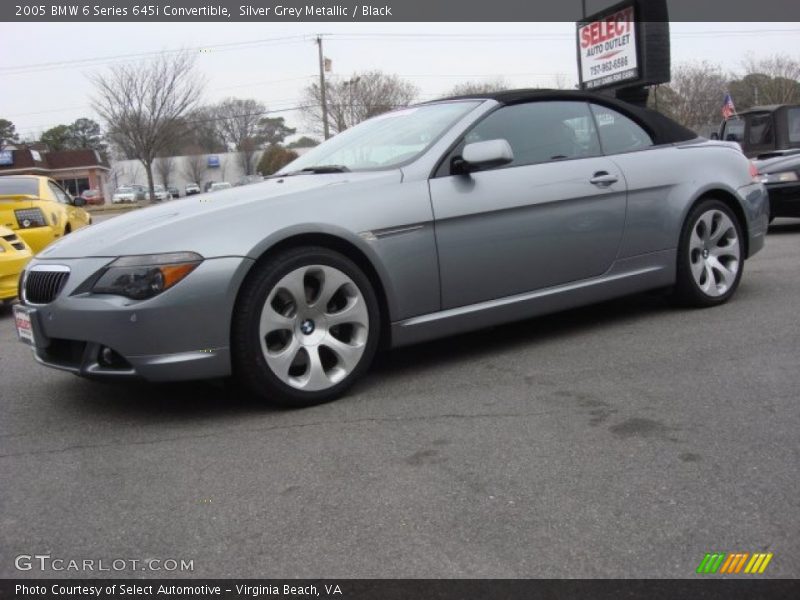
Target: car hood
x,y
777,164
223,223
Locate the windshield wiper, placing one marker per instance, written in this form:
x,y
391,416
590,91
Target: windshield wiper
x,y
321,169
325,169
316,169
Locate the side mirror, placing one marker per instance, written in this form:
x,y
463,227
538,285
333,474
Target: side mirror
x,y
79,201
485,155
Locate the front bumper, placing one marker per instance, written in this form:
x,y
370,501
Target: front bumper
x,y
784,199
183,333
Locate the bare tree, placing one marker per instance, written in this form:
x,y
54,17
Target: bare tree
x,y
202,132
165,167
478,87
238,122
349,102
195,166
223,167
247,156
145,104
694,96
562,82
773,80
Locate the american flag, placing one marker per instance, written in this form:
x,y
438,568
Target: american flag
x,y
728,109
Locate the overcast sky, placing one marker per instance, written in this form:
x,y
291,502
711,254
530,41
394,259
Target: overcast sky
x,y
434,56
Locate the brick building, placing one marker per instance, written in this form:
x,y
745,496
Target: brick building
x,y
75,170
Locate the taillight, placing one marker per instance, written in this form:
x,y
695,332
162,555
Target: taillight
x,y
753,172
30,217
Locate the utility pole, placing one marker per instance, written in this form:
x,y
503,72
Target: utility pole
x,y
325,128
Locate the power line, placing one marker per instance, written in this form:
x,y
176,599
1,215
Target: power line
x,y
372,36
121,58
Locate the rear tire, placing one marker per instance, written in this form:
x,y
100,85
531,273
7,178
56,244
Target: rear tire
x,y
710,256
305,327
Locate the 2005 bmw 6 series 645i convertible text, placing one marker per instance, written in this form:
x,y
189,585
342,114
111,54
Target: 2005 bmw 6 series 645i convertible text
x,y
419,223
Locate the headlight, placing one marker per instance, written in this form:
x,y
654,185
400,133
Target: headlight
x,y
30,217
141,277
782,177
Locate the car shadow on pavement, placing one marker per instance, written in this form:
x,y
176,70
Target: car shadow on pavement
x,y
505,338
214,398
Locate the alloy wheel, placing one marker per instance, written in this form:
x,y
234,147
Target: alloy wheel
x,y
714,253
313,327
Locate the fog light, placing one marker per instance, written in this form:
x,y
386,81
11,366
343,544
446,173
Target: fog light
x,y
111,359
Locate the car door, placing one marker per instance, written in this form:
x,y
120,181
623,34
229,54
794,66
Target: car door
x,y
552,216
68,213
652,175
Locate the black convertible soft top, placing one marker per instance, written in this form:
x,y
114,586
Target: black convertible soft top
x,y
662,129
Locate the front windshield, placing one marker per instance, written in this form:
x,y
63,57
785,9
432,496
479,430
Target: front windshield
x,y
385,141
124,190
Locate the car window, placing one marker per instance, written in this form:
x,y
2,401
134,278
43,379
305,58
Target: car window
x,y
541,132
58,193
619,133
734,130
760,130
794,125
18,186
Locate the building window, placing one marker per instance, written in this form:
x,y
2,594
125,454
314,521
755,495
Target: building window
x,y
75,186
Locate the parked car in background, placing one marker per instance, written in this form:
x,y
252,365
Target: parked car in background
x,y
174,192
141,192
764,129
160,193
39,210
780,172
420,223
14,255
124,195
192,188
219,185
93,197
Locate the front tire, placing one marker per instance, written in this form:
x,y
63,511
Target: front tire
x,y
710,255
305,327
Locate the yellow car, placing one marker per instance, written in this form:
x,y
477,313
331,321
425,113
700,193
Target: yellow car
x,y
14,255
39,210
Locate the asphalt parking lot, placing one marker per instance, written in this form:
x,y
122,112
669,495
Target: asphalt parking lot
x,y
622,440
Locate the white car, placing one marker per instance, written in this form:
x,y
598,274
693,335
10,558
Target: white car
x,y
160,194
220,185
123,195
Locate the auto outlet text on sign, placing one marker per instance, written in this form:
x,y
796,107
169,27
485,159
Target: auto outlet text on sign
x,y
607,49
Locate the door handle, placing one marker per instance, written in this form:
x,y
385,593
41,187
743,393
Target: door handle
x,y
603,178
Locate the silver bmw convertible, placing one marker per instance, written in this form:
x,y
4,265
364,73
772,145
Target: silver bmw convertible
x,y
424,222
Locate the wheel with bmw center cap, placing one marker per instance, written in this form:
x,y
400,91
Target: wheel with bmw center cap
x,y
710,255
305,327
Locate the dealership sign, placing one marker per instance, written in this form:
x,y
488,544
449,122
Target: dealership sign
x,y
607,50
6,157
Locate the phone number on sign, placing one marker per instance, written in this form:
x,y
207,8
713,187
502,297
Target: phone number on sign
x,y
611,65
